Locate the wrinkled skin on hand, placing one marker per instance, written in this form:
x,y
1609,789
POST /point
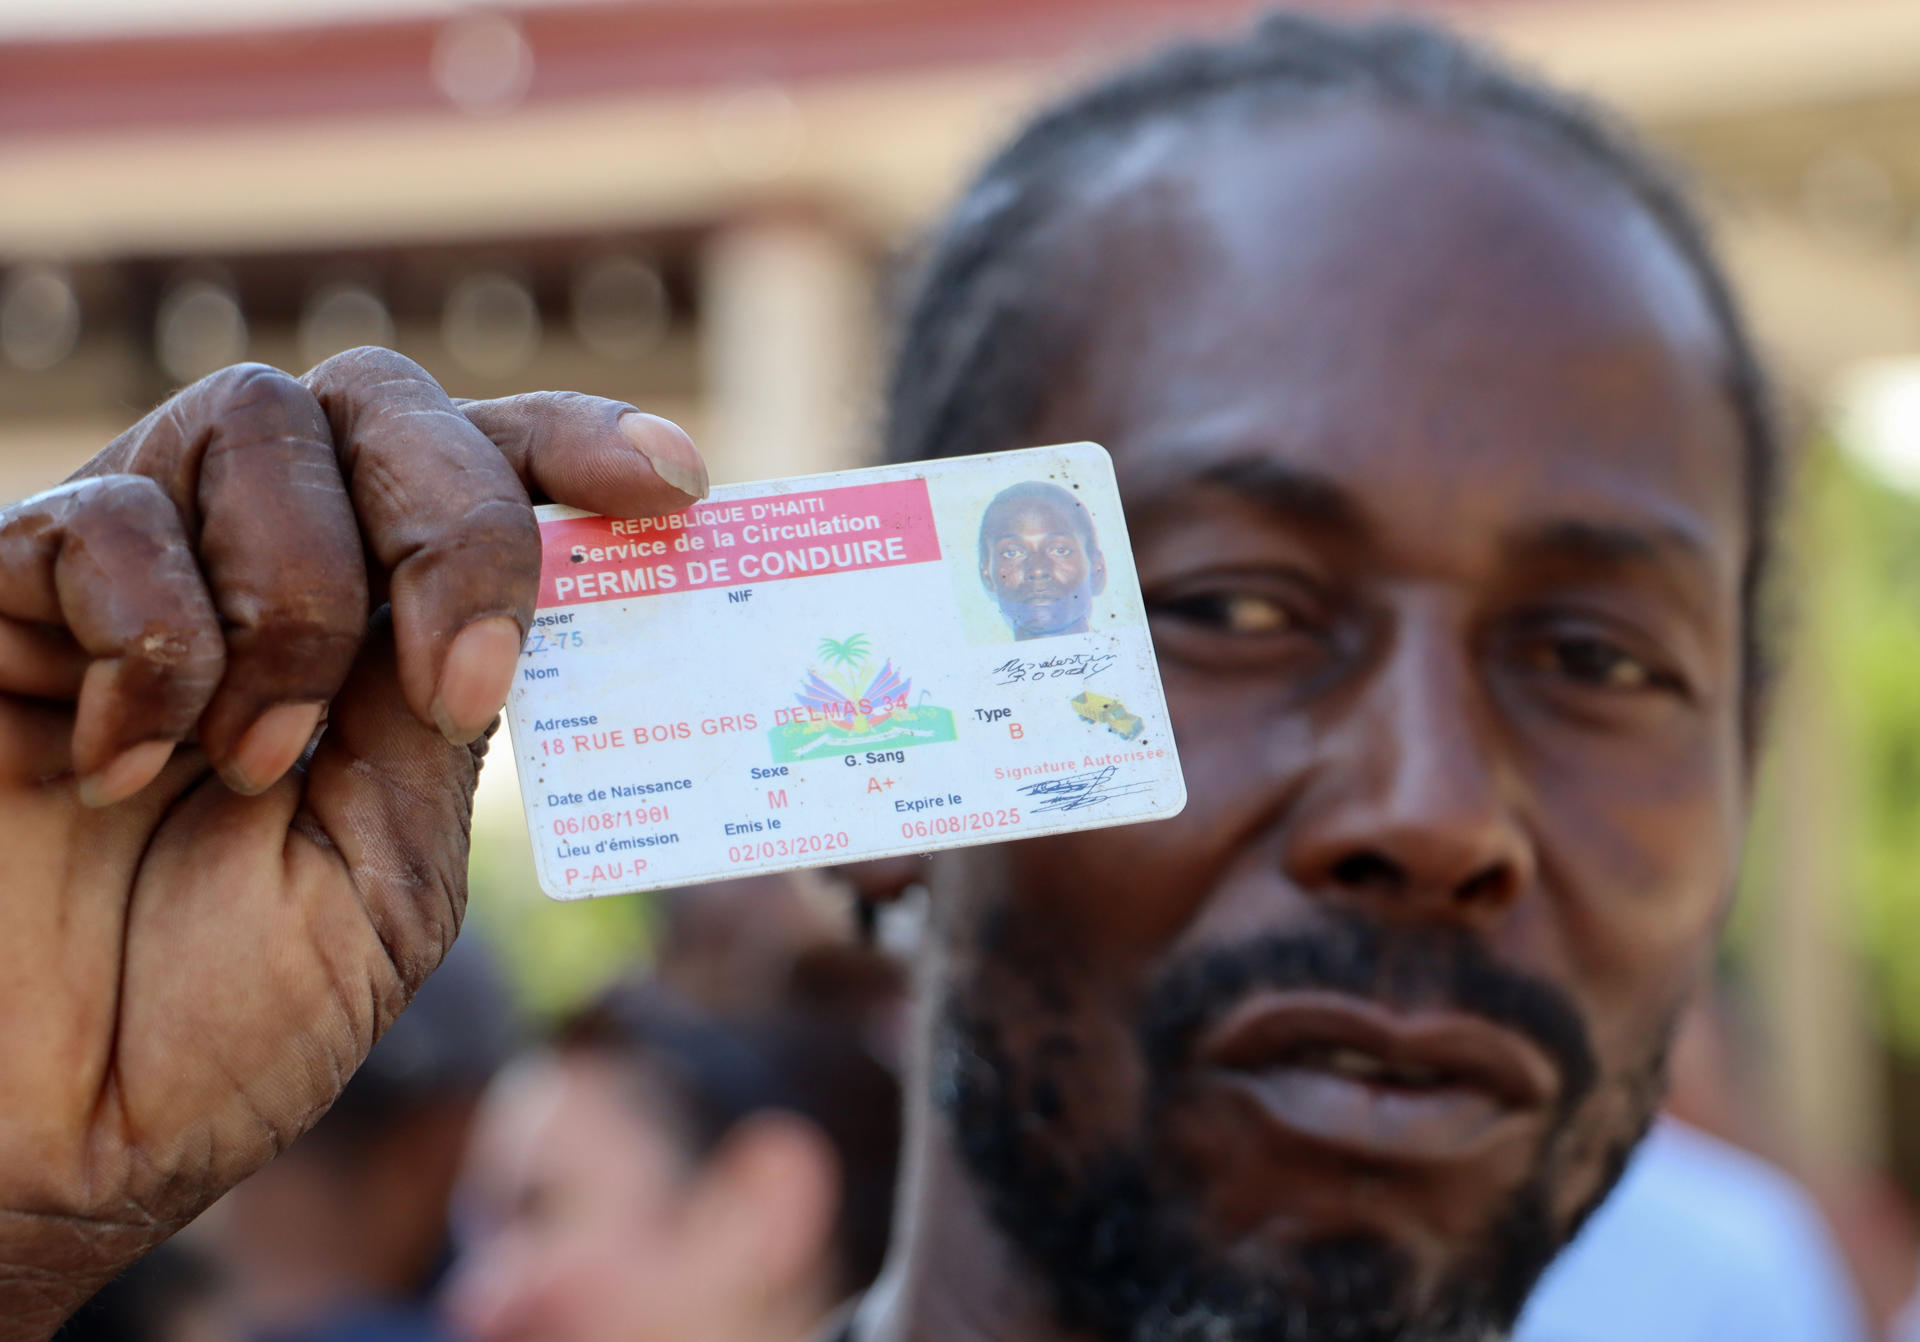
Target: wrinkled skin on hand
x,y
210,917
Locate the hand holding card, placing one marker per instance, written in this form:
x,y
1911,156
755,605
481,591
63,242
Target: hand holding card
x,y
205,931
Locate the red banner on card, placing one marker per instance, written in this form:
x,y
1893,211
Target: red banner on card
x,y
737,543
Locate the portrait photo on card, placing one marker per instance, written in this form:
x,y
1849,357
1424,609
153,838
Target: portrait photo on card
x,y
1040,560
1037,557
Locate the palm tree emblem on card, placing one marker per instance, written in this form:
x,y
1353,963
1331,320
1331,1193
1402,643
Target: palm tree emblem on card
x,y
843,704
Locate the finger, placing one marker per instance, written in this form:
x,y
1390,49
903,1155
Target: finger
x,y
248,460
40,661
392,799
108,560
36,741
604,456
449,523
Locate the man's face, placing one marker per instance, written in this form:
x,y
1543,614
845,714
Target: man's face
x,y
1437,505
1039,567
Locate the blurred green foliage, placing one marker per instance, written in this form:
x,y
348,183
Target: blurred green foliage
x,y
1860,601
557,954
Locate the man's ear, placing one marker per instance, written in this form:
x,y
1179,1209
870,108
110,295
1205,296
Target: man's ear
x,y
1099,576
769,1199
986,578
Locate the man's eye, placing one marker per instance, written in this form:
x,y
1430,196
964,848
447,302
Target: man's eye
x,y
1597,663
1232,612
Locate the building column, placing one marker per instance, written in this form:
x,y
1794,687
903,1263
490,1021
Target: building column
x,y
1828,1089
789,348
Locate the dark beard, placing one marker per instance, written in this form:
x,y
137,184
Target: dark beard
x,y
1118,1251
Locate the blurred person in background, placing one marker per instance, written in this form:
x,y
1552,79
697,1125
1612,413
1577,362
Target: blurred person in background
x,y
660,1174
344,1237
863,989
730,946
175,1294
762,943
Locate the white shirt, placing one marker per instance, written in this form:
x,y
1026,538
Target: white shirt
x,y
1700,1242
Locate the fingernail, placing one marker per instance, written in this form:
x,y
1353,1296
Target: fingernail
x,y
270,746
475,680
125,774
668,450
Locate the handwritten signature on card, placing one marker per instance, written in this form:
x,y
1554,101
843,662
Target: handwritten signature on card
x,y
1073,665
1077,791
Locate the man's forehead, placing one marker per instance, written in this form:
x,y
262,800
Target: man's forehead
x,y
1030,514
1363,288
1356,201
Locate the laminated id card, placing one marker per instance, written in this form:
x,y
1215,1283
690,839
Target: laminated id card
x,y
819,670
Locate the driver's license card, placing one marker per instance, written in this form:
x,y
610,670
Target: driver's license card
x,y
835,667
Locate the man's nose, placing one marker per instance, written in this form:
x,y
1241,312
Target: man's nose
x,y
1412,804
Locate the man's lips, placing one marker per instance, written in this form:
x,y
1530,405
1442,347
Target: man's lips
x,y
1415,1087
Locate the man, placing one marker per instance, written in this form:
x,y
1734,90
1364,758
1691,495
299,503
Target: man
x,y
1447,471
1040,560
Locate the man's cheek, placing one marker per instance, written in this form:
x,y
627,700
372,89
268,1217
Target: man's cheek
x,y
1070,1070
1118,897
1634,1046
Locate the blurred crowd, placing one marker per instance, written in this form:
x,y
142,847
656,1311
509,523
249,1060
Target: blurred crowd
x,y
707,1150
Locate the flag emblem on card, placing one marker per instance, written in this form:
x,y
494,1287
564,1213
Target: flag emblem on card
x,y
844,703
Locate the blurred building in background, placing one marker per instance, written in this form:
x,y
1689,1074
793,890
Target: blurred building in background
x,y
701,206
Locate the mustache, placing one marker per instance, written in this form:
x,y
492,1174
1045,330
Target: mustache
x,y
1425,966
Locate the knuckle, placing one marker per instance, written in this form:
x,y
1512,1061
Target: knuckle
x,y
299,609
552,405
252,403
546,411
507,530
176,663
366,364
494,550
189,651
253,388
383,487
121,527
130,503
